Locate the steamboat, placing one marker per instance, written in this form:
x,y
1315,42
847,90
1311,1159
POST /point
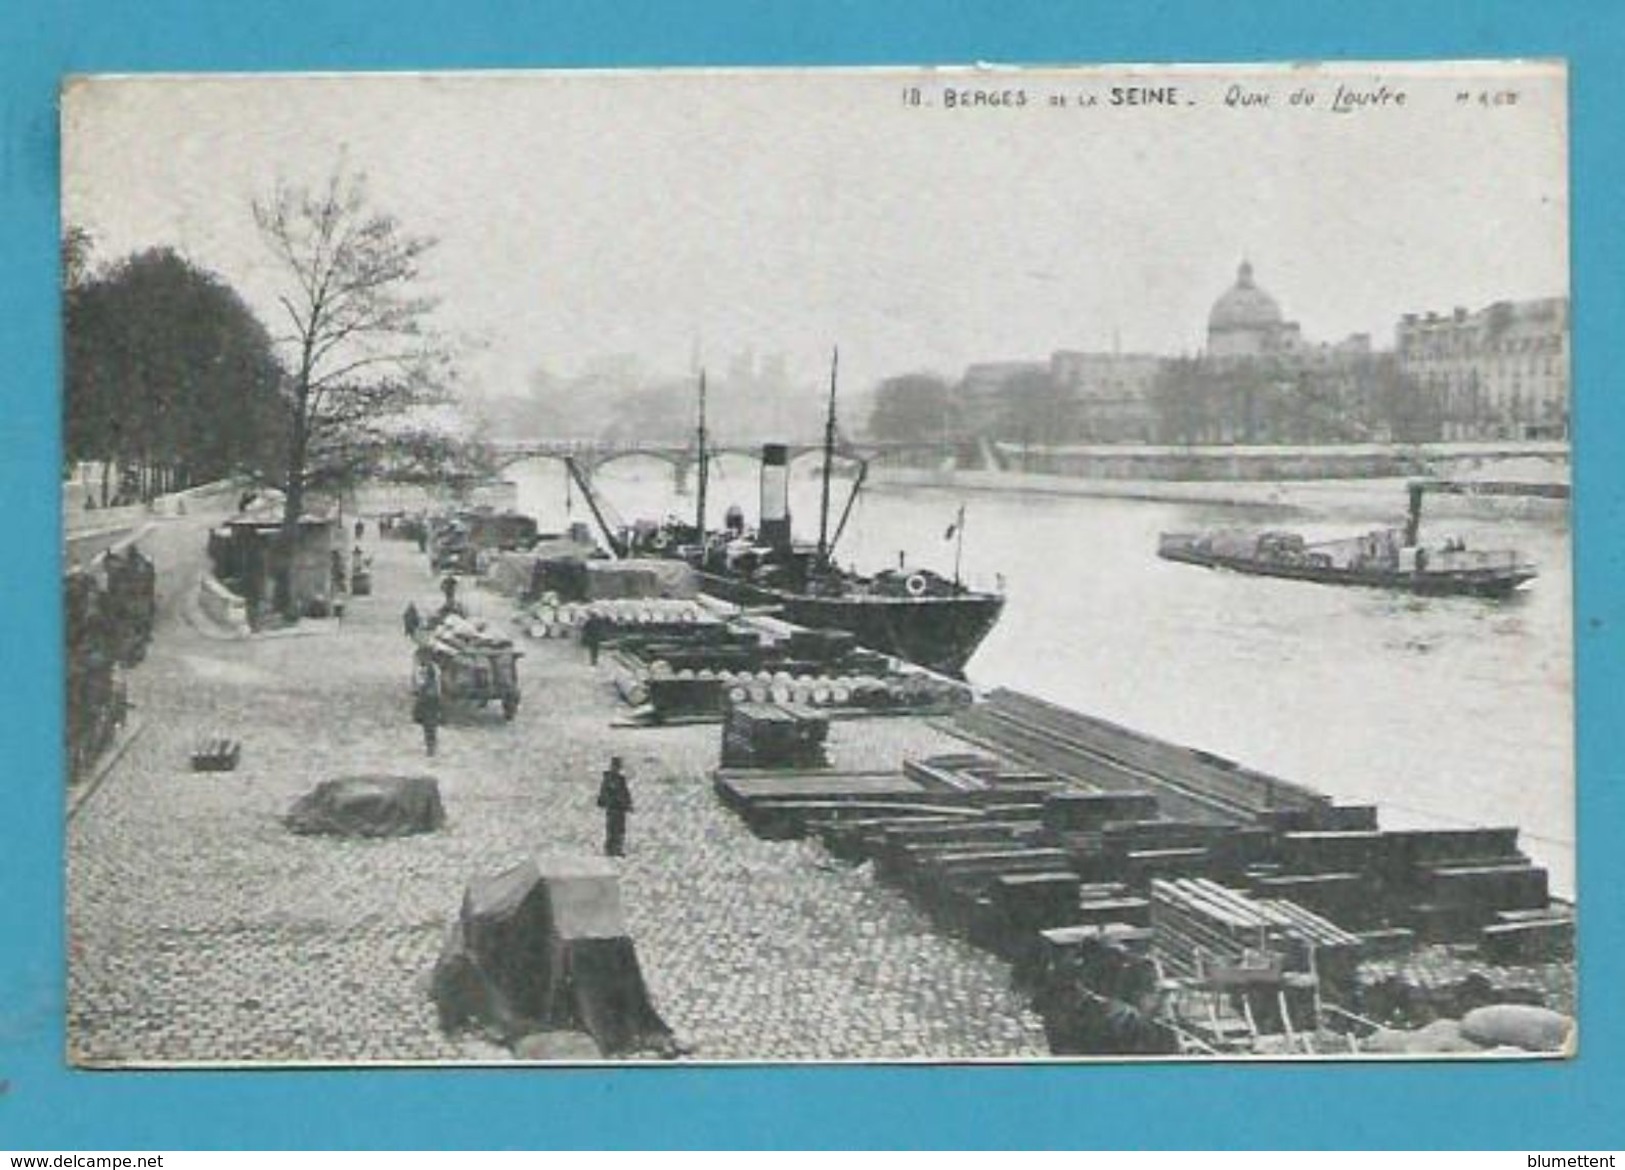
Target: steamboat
x,y
917,615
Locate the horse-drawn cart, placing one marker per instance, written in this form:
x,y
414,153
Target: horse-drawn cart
x,y
475,667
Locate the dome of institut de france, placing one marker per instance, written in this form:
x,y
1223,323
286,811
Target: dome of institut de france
x,y
1244,307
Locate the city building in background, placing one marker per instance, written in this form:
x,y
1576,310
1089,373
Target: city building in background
x,y
1499,373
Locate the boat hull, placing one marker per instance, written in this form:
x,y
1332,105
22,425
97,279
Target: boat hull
x,y
940,633
1480,582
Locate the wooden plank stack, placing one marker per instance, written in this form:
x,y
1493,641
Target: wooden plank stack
x,y
1202,925
1529,936
1188,782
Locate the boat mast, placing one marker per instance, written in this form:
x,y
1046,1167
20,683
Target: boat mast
x,y
959,546
829,456
699,507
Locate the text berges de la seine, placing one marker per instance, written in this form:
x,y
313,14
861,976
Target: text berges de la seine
x,y
1117,95
1237,96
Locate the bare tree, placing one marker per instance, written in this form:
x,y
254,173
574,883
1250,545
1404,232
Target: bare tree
x,y
359,347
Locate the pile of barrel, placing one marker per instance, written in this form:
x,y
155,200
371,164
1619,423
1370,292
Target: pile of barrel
x,y
109,612
636,681
551,618
784,688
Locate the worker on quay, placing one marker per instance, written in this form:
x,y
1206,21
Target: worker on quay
x,y
451,605
411,620
592,633
426,698
615,798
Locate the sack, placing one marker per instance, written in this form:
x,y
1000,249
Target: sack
x,y
1533,1029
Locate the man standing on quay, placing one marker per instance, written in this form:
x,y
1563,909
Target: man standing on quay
x,y
615,798
426,697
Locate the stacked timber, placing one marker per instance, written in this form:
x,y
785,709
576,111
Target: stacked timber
x,y
1443,884
1529,936
1090,856
1141,809
1205,927
786,803
1189,784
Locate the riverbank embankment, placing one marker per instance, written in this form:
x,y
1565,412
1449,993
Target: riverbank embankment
x,y
1374,499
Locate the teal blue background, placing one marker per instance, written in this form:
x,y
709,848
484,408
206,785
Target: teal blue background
x,y
44,1105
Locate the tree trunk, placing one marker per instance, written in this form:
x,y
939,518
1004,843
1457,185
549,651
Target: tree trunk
x,y
294,504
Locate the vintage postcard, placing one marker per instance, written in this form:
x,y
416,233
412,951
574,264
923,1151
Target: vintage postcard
x,y
907,564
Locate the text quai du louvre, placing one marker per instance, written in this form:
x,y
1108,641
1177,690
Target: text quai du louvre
x,y
1344,98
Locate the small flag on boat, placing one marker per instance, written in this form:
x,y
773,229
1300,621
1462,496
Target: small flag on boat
x,y
959,522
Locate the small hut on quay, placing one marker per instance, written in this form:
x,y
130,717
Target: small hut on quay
x,y
242,552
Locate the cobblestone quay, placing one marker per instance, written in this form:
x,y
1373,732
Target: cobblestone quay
x,y
201,930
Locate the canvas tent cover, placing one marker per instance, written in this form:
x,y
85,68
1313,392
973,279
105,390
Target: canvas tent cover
x,y
546,941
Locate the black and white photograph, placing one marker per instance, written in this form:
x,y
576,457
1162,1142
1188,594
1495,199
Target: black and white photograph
x,y
964,563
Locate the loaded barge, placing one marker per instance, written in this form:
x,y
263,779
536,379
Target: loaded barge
x,y
1384,559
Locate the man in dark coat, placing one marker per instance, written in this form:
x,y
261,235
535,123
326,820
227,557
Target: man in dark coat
x,y
426,698
615,798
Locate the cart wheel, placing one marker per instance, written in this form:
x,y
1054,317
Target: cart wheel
x,y
509,706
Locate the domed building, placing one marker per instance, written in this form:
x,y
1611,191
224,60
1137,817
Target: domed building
x,y
1247,322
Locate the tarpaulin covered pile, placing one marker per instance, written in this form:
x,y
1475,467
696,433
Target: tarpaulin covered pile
x,y
640,579
543,947
532,572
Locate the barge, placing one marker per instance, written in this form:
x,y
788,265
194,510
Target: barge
x,y
1386,558
1375,560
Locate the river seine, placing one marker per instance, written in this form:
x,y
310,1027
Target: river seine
x,y
1441,711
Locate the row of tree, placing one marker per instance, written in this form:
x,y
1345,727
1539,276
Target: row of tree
x,y
1363,398
170,373
170,376
1190,400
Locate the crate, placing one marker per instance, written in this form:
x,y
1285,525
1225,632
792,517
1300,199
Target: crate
x,y
765,735
216,755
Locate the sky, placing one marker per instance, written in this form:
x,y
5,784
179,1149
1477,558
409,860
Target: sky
x,y
674,213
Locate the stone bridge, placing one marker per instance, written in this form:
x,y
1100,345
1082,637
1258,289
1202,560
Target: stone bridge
x,y
589,455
